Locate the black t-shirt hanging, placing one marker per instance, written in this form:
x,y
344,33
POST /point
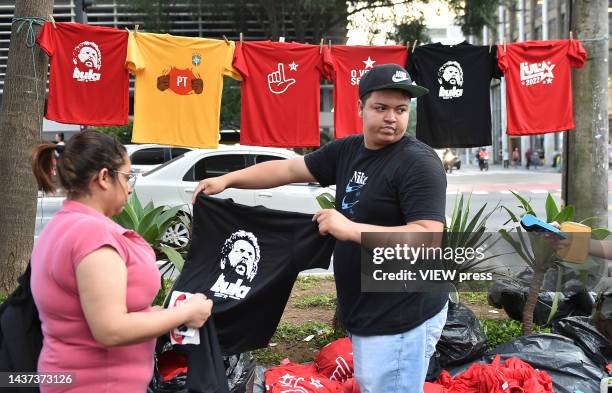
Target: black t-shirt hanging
x,y
457,110
246,260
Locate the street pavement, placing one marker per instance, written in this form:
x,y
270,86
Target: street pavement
x,y
494,186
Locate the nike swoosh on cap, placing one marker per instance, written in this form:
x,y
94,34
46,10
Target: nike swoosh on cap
x,y
395,78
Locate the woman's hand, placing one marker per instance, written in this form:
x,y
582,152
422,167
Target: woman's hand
x,y
197,310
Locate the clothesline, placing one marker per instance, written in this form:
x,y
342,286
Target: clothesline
x,y
284,78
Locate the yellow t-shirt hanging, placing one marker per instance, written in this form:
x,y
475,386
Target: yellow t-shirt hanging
x,y
179,81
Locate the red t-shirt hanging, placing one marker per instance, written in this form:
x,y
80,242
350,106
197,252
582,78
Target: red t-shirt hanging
x,y
539,85
345,65
88,83
280,93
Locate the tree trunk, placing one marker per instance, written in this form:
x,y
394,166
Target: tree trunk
x,y
511,22
19,132
532,299
587,158
271,12
533,4
297,14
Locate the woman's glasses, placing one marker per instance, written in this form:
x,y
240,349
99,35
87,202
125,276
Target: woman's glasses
x,y
131,178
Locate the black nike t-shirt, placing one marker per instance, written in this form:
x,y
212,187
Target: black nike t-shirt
x,y
457,110
392,186
246,260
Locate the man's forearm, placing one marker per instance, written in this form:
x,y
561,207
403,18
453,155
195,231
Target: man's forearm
x,y
265,175
412,234
270,174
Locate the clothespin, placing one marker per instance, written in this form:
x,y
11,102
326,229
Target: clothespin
x,y
52,21
504,43
225,39
241,39
136,28
490,44
281,39
414,45
321,46
329,44
571,35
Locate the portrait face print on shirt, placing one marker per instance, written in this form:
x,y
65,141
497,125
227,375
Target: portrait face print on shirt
x,y
240,256
87,60
450,77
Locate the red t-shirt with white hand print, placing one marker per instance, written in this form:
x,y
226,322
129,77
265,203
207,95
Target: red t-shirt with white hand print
x,y
280,93
345,65
539,84
88,83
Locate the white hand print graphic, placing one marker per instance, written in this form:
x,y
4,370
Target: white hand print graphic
x,y
277,83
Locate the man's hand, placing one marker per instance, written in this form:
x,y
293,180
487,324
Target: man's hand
x,y
211,186
332,222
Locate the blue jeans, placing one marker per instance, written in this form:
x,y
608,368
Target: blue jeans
x,y
397,362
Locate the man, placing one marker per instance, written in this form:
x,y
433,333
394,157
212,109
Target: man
x,y
385,182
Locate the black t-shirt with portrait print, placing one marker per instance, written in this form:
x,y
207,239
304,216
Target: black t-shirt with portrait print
x,y
391,186
457,110
246,260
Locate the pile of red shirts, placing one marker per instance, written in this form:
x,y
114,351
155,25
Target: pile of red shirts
x,y
332,372
514,376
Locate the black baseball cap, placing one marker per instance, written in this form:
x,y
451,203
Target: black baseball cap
x,y
389,76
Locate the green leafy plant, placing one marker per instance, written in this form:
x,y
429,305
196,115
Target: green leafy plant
x,y
468,231
500,332
326,201
538,254
151,223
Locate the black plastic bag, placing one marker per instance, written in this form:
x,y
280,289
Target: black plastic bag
x,y
602,315
511,295
175,385
240,372
569,367
259,380
587,337
462,338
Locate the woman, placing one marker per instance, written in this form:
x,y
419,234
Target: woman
x,y
516,156
92,280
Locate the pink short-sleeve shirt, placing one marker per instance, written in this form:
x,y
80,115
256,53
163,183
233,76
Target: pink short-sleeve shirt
x,y
68,345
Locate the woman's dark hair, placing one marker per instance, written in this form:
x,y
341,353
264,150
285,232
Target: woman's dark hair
x,y
84,154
